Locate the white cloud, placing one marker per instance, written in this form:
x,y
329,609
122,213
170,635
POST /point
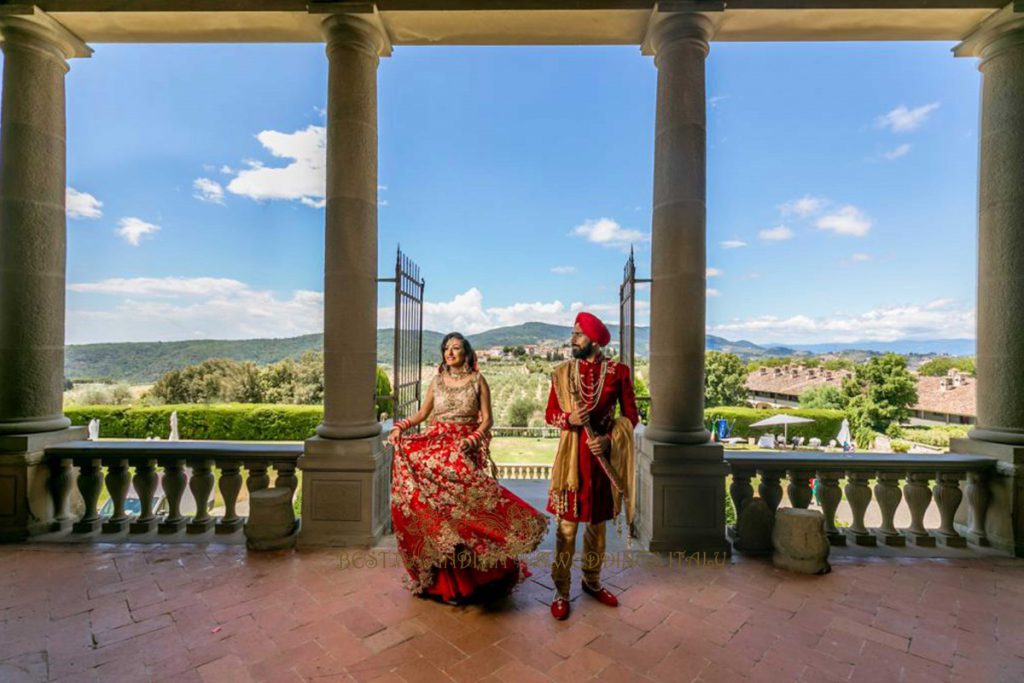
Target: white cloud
x,y
712,292
466,313
207,190
803,207
81,204
776,234
903,120
563,270
303,179
134,229
848,220
897,152
733,244
227,170
162,287
152,309
713,272
860,258
888,323
608,233
715,99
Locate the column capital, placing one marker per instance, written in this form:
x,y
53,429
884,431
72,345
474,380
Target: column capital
x,y
1002,30
666,29
361,30
31,27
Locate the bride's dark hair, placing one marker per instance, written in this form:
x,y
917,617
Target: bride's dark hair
x,y
467,348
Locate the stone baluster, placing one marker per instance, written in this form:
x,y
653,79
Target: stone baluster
x,y
740,489
62,478
145,482
286,475
257,478
918,497
117,480
201,484
889,495
830,495
977,506
741,493
173,483
799,488
770,489
947,496
858,494
89,483
230,486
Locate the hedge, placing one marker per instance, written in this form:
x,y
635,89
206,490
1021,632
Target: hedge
x,y
825,426
222,421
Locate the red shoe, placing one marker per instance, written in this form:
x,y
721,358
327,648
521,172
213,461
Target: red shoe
x,y
602,595
560,608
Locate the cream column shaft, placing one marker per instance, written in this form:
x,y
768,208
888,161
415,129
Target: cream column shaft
x,y
32,229
350,258
680,43
1000,360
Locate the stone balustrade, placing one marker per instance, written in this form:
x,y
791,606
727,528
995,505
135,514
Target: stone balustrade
x,y
175,466
916,479
525,471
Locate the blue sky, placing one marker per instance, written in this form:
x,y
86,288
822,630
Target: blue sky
x,y
517,177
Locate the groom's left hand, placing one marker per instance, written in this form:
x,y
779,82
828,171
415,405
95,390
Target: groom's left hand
x,y
599,445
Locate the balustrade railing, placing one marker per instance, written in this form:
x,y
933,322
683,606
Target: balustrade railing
x,y
917,472
524,471
170,466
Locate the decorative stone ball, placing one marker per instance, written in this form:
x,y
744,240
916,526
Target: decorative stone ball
x,y
754,527
271,524
800,541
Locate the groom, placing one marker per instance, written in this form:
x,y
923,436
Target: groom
x,y
594,470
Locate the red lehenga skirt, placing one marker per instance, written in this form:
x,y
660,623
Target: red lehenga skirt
x,y
459,531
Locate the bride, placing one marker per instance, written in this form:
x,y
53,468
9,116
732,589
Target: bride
x,y
459,531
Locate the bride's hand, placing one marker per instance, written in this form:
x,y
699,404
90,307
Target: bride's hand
x,y
394,435
465,445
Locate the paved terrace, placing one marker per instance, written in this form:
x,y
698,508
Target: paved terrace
x,y
216,613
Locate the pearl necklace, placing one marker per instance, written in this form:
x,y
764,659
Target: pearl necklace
x,y
592,394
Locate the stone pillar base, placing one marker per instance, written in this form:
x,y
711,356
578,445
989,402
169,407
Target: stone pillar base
x,y
681,497
346,492
1004,520
896,540
26,502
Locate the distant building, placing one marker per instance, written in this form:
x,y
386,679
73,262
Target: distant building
x,y
940,400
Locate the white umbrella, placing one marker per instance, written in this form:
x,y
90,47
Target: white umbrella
x,y
784,420
844,432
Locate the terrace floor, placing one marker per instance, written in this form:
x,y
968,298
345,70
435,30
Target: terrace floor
x,y
213,612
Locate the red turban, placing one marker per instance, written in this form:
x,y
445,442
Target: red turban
x,y
594,328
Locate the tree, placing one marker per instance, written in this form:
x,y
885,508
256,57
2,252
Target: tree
x,y
824,396
880,394
384,402
725,376
939,367
521,410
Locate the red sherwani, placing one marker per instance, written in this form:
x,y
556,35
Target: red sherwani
x,y
595,490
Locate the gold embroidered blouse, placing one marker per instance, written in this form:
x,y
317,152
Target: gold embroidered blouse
x,y
459,404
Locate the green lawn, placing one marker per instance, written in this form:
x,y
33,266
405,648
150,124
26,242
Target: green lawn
x,y
527,451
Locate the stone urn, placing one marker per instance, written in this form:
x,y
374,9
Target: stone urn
x,y
271,524
800,541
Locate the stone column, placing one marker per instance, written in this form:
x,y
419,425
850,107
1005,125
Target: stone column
x,y
32,266
681,476
345,467
999,42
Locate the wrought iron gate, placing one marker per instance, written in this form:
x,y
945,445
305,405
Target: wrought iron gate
x,y
627,314
408,343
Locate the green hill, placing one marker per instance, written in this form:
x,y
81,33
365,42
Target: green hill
x,y
143,362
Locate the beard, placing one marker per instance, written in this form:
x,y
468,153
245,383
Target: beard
x,y
581,352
